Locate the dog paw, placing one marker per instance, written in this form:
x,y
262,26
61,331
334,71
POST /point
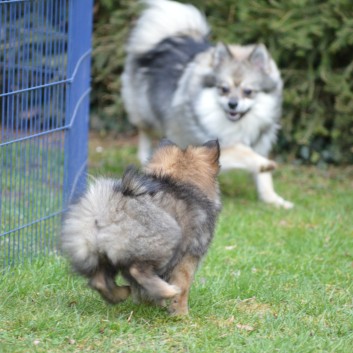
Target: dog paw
x,y
268,166
162,303
279,202
286,204
177,310
179,313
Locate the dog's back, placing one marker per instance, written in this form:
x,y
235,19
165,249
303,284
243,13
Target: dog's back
x,y
163,67
166,38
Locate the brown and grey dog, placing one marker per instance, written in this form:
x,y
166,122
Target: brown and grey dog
x,y
152,227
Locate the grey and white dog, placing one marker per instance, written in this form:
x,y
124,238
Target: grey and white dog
x,y
177,85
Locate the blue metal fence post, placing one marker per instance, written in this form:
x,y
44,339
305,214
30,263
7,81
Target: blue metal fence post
x,y
79,55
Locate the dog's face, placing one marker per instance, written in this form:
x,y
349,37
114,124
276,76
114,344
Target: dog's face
x,y
196,165
240,75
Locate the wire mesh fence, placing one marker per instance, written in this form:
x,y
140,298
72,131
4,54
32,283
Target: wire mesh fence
x,y
45,48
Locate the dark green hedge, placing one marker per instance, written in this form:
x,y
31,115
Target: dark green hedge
x,y
311,40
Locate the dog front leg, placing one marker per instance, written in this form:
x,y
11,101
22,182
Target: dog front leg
x,y
144,146
182,277
266,192
240,156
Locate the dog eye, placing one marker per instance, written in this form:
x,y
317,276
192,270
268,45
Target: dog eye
x,y
247,92
224,89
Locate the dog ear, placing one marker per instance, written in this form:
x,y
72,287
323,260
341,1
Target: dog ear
x,y
220,53
259,57
214,146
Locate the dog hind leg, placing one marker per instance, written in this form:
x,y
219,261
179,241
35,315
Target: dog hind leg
x,y
154,285
104,283
182,276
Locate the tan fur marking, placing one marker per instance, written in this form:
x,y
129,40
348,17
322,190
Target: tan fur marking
x,y
183,276
195,165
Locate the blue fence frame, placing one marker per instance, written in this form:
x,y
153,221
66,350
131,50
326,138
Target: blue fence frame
x,y
45,50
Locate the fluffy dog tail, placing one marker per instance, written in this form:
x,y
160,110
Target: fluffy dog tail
x,y
163,19
83,221
89,222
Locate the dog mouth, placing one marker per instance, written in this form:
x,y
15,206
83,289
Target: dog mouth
x,y
235,116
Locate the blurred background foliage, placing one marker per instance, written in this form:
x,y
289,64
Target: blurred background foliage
x,y
311,41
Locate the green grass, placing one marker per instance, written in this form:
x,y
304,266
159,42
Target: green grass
x,y
272,281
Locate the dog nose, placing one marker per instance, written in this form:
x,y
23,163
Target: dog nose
x,y
232,104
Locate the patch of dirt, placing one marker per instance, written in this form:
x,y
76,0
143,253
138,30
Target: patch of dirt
x,y
96,139
251,306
